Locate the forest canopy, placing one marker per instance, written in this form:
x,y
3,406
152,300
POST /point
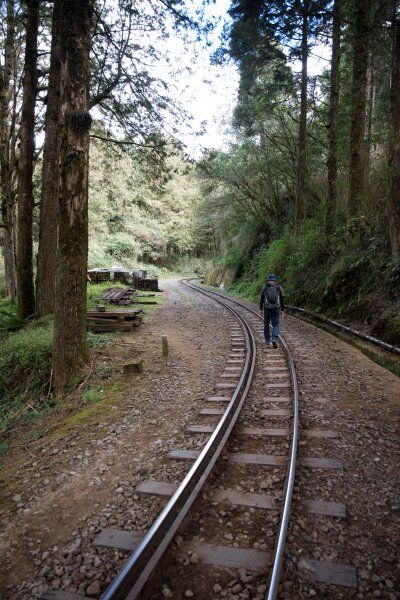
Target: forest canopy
x,y
308,185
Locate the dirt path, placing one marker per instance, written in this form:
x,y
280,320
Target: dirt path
x,y
66,491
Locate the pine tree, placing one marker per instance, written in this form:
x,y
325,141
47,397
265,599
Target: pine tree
x,y
8,117
393,201
25,290
360,49
46,262
332,161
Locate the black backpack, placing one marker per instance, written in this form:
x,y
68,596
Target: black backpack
x,y
271,296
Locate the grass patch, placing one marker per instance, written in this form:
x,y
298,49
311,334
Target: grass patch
x,y
100,340
27,411
95,291
25,364
9,320
95,405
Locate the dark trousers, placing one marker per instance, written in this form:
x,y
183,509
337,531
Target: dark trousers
x,y
271,315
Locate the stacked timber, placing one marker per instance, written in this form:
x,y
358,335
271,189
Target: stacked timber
x,y
118,296
99,275
123,277
145,284
114,320
136,278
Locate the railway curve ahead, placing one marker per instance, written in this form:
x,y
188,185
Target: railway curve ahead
x,y
262,517
343,534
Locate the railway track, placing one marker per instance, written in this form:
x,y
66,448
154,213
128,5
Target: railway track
x,y
220,415
235,522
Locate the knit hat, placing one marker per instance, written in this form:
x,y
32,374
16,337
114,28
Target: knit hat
x,y
271,277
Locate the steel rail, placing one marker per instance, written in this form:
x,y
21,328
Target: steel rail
x,y
354,332
284,522
134,574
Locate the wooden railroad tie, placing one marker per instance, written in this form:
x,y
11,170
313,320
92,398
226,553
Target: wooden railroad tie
x,y
114,320
119,296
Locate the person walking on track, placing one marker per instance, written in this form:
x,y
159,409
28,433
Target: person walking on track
x,y
271,302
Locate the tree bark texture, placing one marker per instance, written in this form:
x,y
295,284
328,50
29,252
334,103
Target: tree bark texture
x,y
302,145
369,110
332,162
46,264
361,36
70,349
7,157
393,199
25,291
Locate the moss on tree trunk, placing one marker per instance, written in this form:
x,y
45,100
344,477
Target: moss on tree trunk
x,y
70,349
46,264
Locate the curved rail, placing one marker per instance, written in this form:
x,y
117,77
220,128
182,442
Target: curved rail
x,y
280,545
284,522
139,566
354,332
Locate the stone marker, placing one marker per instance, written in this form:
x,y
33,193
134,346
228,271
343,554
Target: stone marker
x,y
164,343
136,366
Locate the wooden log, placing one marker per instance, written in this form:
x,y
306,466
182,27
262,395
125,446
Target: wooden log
x,y
115,313
99,320
98,327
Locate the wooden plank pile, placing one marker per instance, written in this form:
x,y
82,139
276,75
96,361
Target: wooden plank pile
x,y
118,296
114,320
99,275
123,277
136,278
142,283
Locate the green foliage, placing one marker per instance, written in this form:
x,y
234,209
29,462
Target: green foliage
x,y
92,395
99,340
2,279
131,221
122,247
25,359
347,275
191,266
25,362
9,320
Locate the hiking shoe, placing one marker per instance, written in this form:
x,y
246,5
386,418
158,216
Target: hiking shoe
x,y
274,344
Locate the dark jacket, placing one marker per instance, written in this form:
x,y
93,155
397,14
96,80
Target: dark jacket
x,y
280,291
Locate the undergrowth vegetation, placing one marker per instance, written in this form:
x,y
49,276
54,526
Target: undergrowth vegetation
x,y
25,364
347,275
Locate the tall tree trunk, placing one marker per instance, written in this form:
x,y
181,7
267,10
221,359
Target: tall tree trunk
x,y
332,162
25,292
393,199
7,126
302,145
46,265
369,110
70,349
361,36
